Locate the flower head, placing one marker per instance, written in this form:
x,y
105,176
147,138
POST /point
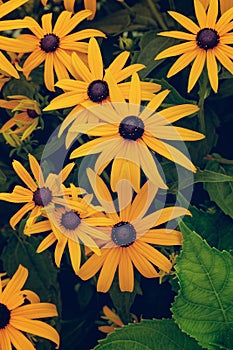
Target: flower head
x,y
130,236
40,195
67,226
95,86
18,317
25,118
126,135
53,45
206,43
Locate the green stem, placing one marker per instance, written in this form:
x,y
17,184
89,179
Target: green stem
x,y
157,14
203,94
219,160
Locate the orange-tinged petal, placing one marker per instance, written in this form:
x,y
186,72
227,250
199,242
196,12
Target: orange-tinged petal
x,y
141,263
108,270
24,175
200,13
225,5
19,340
182,62
32,311
20,214
196,69
34,60
162,237
69,5
176,50
38,328
92,265
95,61
186,22
59,250
47,22
90,5
212,14
126,273
48,72
15,284
36,170
7,66
212,69
5,340
75,254
46,243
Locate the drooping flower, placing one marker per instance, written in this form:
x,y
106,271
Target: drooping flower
x,y
127,134
40,195
113,320
53,45
95,87
71,227
8,44
207,42
19,311
130,236
25,118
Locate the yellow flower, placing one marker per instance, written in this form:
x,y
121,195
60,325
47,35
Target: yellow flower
x,y
8,43
25,118
207,42
18,318
53,45
90,5
71,227
96,87
126,135
224,4
40,195
130,236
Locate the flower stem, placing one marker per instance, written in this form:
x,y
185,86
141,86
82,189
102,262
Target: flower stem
x,y
156,14
203,94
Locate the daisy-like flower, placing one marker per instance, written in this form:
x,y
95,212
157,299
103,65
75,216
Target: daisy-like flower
x,y
96,87
8,43
206,43
25,118
130,236
72,228
40,195
127,134
17,317
53,45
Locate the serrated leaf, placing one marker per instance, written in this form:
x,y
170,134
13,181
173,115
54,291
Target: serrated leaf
x,y
149,335
221,192
203,307
215,227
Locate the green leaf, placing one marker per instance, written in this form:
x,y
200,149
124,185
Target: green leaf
x,y
149,335
221,192
3,177
215,227
203,308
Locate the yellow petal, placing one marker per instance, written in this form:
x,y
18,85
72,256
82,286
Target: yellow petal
x,y
200,13
20,214
212,69
185,22
108,270
141,263
162,237
36,170
75,254
47,23
212,14
196,69
178,35
92,265
24,175
46,243
126,273
182,62
90,5
48,72
7,66
32,311
15,284
18,340
95,59
176,50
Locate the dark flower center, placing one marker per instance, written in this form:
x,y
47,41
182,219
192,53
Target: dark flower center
x,y
207,38
70,220
49,43
131,128
42,196
32,113
123,234
5,316
98,90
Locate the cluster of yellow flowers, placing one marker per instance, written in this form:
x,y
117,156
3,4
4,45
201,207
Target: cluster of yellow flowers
x,y
116,234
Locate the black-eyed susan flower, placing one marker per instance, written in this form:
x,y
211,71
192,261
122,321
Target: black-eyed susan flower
x,y
25,118
95,87
127,134
40,195
130,236
8,44
207,42
73,228
53,45
19,314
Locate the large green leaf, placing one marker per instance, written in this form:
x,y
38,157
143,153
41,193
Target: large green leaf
x,y
149,335
203,308
215,227
221,192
